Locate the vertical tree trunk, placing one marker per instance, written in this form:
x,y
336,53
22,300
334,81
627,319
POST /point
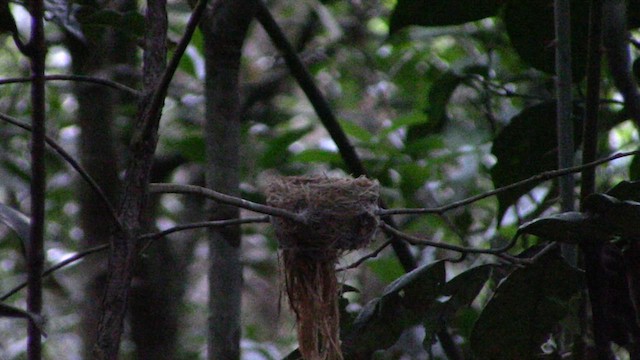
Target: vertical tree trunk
x,y
134,195
97,105
98,157
158,287
37,52
224,29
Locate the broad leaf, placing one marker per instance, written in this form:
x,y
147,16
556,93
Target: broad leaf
x,y
569,227
440,12
626,190
403,304
7,22
525,309
615,216
457,293
530,25
18,222
524,148
318,156
438,99
277,151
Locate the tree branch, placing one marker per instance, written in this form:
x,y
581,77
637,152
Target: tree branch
x,y
79,78
225,199
324,112
74,164
150,236
544,176
155,104
414,240
370,255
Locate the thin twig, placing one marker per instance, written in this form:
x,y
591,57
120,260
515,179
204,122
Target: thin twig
x,y
225,199
74,164
414,240
544,176
77,78
370,255
149,236
56,267
155,104
203,224
197,225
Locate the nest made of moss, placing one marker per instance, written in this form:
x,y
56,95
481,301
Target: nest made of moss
x,y
339,215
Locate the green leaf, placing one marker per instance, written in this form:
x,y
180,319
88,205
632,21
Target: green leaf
x,y
190,145
440,12
525,309
438,99
626,190
7,22
568,227
530,26
18,222
134,23
412,177
524,148
356,131
413,118
403,304
459,293
277,151
418,287
317,156
615,216
386,268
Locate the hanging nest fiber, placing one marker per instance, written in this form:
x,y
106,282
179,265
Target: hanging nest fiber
x,y
339,216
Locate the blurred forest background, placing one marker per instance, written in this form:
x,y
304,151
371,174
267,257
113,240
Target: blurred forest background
x,y
441,101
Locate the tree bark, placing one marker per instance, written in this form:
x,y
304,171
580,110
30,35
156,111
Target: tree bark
x,y
123,244
96,107
224,29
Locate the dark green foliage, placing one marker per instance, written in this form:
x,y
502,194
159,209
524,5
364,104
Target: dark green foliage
x,y
457,294
401,305
530,25
441,12
524,310
569,227
18,222
439,97
524,148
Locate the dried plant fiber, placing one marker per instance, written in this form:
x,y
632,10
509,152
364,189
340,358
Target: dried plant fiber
x,y
339,216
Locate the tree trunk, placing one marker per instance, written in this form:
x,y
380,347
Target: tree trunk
x,y
224,29
134,195
97,105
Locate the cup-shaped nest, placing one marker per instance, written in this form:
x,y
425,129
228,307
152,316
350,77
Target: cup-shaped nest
x,y
339,212
339,215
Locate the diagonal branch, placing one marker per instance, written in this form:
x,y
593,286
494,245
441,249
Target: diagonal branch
x,y
414,240
225,199
155,104
324,112
544,176
150,236
74,164
80,78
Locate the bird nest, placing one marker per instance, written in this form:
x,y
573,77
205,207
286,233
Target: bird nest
x,y
338,215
